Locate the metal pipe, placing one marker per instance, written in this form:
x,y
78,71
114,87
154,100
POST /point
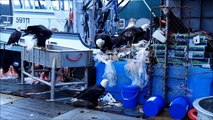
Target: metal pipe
x,y
75,17
201,11
52,90
86,77
33,65
22,65
187,56
166,53
92,27
148,7
69,83
40,80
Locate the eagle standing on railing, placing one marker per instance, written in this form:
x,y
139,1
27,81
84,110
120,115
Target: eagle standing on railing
x,y
15,36
41,34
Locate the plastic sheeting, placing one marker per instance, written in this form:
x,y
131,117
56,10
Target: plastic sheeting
x,y
136,69
109,72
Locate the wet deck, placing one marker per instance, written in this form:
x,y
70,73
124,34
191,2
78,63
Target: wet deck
x,y
27,108
18,105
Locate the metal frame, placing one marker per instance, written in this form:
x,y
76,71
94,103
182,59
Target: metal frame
x,y
165,64
55,63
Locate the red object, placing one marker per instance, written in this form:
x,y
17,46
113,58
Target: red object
x,y
71,16
192,114
163,21
74,59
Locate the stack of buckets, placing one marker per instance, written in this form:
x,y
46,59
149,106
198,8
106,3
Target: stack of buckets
x,y
177,108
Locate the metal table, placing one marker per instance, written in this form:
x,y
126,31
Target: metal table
x,y
56,57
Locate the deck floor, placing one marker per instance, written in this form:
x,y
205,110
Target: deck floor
x,y
18,105
25,109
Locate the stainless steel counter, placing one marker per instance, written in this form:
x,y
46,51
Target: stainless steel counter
x,y
56,57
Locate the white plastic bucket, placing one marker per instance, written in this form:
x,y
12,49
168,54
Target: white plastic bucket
x,y
158,34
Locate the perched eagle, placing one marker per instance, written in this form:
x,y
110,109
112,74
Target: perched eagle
x,y
40,32
129,35
91,94
134,34
15,36
103,41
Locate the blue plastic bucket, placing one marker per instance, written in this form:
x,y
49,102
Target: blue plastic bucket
x,y
153,105
179,107
129,95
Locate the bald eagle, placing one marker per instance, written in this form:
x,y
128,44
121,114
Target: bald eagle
x,y
14,37
134,34
103,41
91,94
130,35
40,32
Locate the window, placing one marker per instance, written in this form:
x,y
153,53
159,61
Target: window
x,y
4,2
65,4
27,4
40,4
17,4
43,4
61,4
37,4
55,4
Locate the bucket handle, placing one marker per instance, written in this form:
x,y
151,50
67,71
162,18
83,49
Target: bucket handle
x,y
129,98
74,59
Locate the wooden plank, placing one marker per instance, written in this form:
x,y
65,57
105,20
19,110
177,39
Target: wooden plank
x,y
27,114
35,108
4,98
9,116
81,114
41,104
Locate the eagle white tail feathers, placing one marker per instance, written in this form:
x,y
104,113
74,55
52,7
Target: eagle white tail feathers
x,y
32,44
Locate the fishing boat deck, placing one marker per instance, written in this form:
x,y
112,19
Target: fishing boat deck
x,y
17,105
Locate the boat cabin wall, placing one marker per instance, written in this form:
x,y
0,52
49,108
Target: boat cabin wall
x,y
50,13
